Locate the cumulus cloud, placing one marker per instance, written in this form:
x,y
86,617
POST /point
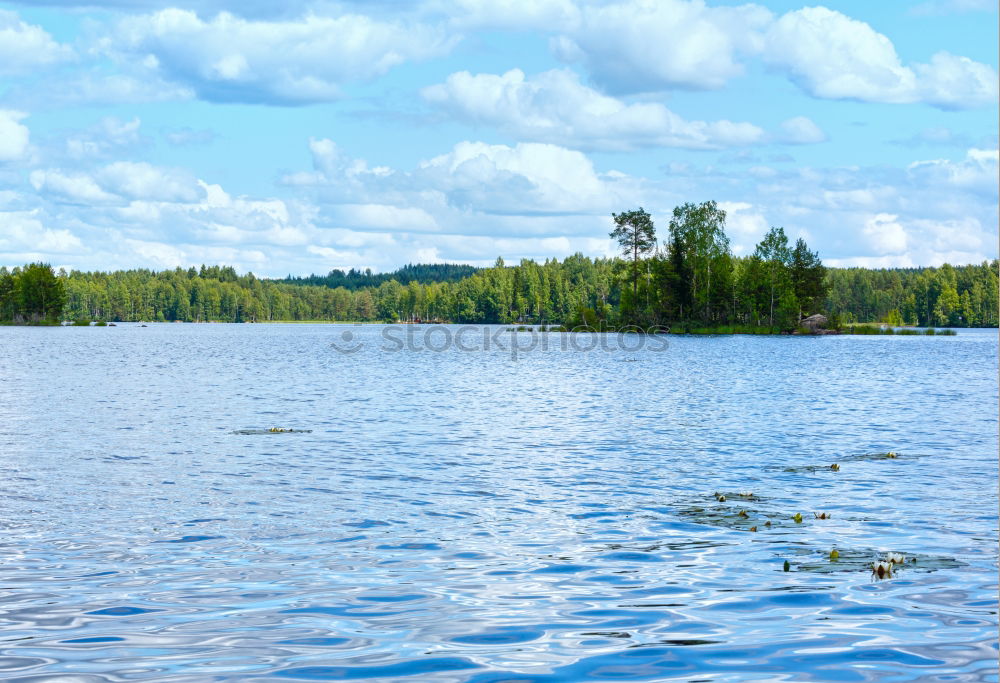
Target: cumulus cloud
x,y
110,135
555,107
23,232
25,48
231,59
525,179
801,130
745,224
14,136
833,56
117,183
78,188
977,172
510,14
636,46
885,234
649,45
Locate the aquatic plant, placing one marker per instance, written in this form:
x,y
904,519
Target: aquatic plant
x,y
822,515
798,518
882,570
834,555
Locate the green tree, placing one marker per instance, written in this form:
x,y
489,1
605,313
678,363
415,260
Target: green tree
x,y
637,237
698,245
39,296
774,253
808,276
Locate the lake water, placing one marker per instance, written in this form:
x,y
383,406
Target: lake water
x,y
477,515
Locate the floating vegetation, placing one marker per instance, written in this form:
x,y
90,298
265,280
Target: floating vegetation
x,y
787,566
867,560
835,467
753,528
720,517
798,518
890,455
809,468
748,496
822,515
272,430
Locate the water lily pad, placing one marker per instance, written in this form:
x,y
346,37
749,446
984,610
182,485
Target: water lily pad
x,y
729,517
862,560
272,431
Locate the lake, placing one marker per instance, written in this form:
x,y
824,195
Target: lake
x,y
467,513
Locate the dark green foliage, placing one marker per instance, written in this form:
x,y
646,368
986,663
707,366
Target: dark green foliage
x,y
807,274
422,273
636,235
702,263
949,296
31,295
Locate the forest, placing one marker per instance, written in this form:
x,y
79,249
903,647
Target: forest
x,y
689,279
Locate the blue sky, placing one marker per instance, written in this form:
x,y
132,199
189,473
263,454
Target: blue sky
x,y
302,136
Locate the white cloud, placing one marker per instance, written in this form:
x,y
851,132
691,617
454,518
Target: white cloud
x,y
555,107
977,172
511,14
228,58
833,56
386,217
23,231
745,225
14,136
801,130
109,135
25,48
648,45
526,178
952,82
885,234
78,188
140,180
117,183
635,46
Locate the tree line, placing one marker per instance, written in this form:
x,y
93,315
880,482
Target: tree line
x,y
690,278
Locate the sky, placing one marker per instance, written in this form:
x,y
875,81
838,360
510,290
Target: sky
x,y
302,136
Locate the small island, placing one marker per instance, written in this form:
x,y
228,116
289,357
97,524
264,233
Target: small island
x,y
688,283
